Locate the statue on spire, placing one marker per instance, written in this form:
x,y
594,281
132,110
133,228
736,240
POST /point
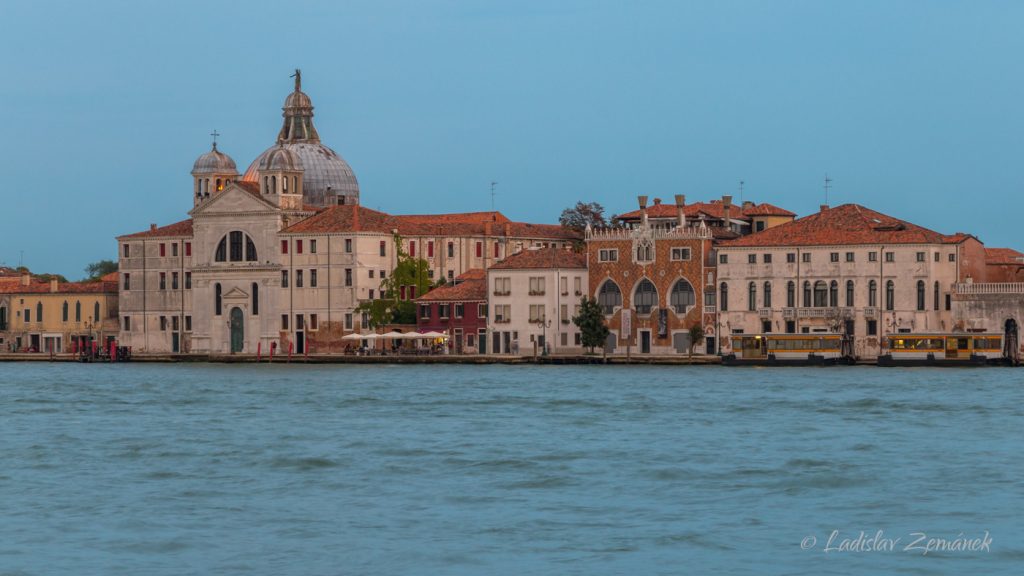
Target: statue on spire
x,y
298,80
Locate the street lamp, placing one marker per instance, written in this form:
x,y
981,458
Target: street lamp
x,y
544,325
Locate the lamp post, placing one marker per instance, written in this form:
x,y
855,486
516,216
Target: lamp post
x,y
544,325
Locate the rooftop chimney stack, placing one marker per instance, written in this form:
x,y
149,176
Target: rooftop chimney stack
x,y
643,209
726,207
680,202
824,207
53,285
152,227
26,278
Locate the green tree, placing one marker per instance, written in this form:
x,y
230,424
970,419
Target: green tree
x,y
590,321
696,337
583,213
389,308
96,270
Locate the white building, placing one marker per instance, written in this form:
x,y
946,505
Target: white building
x,y
844,269
533,297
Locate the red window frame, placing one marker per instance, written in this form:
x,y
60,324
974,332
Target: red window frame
x,y
298,246
479,249
163,249
284,246
188,248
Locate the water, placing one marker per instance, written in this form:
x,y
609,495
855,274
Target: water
x,y
332,470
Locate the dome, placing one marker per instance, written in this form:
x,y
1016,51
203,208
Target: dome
x,y
326,174
214,162
279,158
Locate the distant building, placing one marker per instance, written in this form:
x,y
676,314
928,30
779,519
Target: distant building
x,y
533,296
56,317
655,279
458,309
725,219
844,269
283,254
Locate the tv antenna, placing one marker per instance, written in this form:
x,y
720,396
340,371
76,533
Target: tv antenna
x,y
828,186
493,184
741,192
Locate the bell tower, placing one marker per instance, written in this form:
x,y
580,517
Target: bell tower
x,y
211,173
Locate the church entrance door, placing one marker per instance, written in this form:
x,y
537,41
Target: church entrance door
x,y
237,330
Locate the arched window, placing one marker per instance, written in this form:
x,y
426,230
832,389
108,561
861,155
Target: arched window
x,y
206,188
682,296
219,185
78,311
609,296
849,293
64,312
96,312
255,299
936,294
284,184
752,297
3,318
920,294
807,294
790,294
216,299
890,295
273,184
872,293
266,185
39,312
230,248
645,297
767,295
724,296
833,294
820,294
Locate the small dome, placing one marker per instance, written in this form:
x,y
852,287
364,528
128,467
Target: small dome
x,y
214,162
280,158
298,99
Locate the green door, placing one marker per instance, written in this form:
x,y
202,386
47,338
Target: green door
x,y
237,330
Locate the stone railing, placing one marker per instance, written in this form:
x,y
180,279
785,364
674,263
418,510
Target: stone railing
x,y
789,312
813,312
689,232
710,309
871,311
989,288
764,312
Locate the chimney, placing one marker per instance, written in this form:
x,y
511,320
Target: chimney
x,y
53,284
680,202
26,278
657,201
152,227
747,205
824,207
726,207
643,209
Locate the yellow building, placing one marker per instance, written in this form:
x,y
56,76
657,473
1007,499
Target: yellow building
x,y
56,317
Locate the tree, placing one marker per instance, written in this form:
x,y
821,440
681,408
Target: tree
x,y
409,272
696,337
578,217
97,270
590,321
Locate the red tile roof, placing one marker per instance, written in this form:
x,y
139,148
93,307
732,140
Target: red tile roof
x,y
250,187
542,258
846,224
178,229
343,219
766,209
714,209
470,286
14,286
997,256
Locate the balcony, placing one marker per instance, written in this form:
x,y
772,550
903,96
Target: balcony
x,y
989,288
536,293
502,292
502,320
764,313
871,311
813,312
789,313
710,309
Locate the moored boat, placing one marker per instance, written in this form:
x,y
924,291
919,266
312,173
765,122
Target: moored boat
x,y
814,349
943,349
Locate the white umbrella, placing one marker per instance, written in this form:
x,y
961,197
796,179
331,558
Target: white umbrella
x,y
413,336
394,335
357,336
435,335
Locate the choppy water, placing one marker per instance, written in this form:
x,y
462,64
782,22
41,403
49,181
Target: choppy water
x,y
282,470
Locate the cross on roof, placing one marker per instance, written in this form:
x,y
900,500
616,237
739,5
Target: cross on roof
x,y
214,134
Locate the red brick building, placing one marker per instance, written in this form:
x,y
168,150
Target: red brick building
x,y
459,309
655,280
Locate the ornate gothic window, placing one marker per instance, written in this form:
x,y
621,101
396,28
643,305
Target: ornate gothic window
x,y
682,296
645,297
609,296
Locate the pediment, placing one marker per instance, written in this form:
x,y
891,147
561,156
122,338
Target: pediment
x,y
234,199
236,293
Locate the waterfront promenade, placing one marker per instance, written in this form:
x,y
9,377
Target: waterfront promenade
x,y
346,359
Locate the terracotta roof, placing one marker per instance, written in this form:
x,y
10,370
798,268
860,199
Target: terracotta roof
x,y
111,277
766,209
846,224
342,219
183,228
35,287
996,256
469,286
714,209
250,187
543,258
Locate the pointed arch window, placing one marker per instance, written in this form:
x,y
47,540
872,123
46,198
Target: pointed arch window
x,y
920,295
752,296
645,297
96,312
723,290
890,295
682,296
64,312
849,293
78,311
936,295
767,296
39,312
790,294
872,293
609,296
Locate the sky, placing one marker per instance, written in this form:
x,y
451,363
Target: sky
x,y
912,108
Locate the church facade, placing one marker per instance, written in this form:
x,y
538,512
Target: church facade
x,y
281,255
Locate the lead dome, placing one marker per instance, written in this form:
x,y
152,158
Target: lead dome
x,y
327,177
214,162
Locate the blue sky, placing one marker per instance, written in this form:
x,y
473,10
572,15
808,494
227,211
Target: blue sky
x,y
913,108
